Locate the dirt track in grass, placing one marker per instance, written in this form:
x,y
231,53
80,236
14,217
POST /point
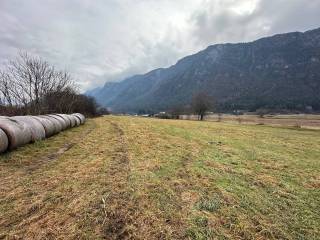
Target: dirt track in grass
x,y
139,178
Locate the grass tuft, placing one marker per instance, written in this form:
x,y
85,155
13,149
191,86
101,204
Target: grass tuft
x,y
210,205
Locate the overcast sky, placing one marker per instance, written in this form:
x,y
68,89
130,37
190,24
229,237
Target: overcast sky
x,y
107,40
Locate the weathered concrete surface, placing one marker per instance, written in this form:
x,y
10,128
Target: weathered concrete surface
x,y
63,122
18,132
80,117
57,124
37,130
48,125
4,142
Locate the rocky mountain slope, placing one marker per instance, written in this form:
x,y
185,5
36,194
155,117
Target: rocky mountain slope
x,y
282,71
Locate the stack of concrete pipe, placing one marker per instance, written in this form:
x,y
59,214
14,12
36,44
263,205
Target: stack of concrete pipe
x,y
20,130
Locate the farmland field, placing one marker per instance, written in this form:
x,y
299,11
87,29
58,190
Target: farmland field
x,y
141,178
306,121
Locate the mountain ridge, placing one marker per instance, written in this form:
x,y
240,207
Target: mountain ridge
x,y
281,71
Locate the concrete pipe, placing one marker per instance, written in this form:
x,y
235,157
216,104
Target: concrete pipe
x,y
78,122
57,124
37,130
18,132
4,142
68,119
65,118
64,123
48,125
81,117
78,117
73,120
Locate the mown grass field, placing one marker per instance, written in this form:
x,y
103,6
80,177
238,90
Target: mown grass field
x,y
305,121
142,178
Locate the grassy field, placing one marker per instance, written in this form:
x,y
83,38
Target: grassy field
x,y
142,178
306,121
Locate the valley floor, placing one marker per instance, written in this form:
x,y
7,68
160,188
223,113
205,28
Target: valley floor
x,y
142,178
306,121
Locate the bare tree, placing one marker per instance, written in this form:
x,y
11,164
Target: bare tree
x,y
201,103
59,101
6,96
28,79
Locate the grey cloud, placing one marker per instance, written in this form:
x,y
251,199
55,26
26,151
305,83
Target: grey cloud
x,y
219,21
108,40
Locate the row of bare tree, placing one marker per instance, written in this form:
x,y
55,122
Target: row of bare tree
x,y
30,85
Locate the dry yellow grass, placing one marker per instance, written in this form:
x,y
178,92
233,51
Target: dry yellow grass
x,y
139,178
306,121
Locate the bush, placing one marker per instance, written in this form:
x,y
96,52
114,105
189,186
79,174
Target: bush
x,y
30,85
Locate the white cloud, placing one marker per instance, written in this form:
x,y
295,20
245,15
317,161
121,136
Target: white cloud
x,y
220,21
103,40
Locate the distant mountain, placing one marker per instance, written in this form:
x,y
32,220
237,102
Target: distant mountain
x,y
282,71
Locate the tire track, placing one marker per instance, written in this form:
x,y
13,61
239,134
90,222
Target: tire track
x,y
118,205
